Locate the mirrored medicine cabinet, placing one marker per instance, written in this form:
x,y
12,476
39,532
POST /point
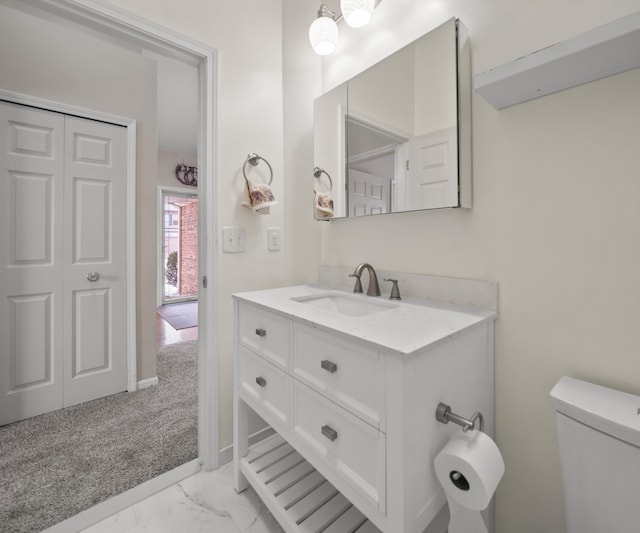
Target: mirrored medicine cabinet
x,y
397,136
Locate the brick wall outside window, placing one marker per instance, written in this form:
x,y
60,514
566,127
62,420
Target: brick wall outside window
x,y
189,249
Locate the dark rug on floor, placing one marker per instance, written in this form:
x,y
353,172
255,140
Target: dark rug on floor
x,y
55,465
180,315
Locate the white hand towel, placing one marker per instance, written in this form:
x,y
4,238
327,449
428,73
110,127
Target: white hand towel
x,y
323,205
258,197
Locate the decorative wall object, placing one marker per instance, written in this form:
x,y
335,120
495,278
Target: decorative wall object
x,y
187,175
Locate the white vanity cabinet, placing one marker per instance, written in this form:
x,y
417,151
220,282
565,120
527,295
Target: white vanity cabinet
x,y
352,401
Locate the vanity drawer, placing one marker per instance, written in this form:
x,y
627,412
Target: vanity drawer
x,y
263,386
346,372
266,333
352,448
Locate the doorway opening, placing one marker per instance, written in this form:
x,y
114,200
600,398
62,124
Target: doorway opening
x,y
177,291
179,247
136,31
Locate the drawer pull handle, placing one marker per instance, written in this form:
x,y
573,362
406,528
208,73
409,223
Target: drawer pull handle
x,y
261,381
329,366
330,433
261,332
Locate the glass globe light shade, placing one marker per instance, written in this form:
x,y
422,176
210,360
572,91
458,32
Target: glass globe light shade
x,y
323,35
357,13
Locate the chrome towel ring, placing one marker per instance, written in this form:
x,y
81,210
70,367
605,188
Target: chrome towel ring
x,y
254,159
317,172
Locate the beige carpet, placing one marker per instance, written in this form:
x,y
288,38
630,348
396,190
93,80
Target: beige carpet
x,y
55,465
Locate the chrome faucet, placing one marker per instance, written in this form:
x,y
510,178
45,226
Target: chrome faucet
x,y
374,288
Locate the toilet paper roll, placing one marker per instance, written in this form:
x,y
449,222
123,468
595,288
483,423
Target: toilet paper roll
x,y
469,469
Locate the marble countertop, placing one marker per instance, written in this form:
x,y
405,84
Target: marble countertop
x,y
406,327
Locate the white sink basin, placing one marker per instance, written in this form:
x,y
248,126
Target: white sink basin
x,y
346,304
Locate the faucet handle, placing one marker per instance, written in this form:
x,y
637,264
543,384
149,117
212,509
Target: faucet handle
x,y
395,291
358,285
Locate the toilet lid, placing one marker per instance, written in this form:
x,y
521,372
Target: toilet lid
x,y
611,411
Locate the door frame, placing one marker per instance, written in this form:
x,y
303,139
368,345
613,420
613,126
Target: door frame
x,y
162,190
131,126
144,33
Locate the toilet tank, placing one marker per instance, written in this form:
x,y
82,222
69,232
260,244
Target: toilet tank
x,y
599,439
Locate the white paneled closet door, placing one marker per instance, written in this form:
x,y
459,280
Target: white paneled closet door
x,y
31,320
94,260
63,261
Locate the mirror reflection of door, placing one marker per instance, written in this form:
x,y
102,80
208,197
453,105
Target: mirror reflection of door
x,y
369,194
374,166
432,175
179,247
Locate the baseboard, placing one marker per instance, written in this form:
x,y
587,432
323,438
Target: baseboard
x,y
149,382
226,454
120,502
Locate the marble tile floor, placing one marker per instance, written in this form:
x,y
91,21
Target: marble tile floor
x,y
204,502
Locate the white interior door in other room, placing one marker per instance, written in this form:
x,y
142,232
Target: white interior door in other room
x,y
62,185
31,312
432,179
95,260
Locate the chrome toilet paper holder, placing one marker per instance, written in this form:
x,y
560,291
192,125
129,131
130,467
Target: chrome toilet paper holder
x,y
445,415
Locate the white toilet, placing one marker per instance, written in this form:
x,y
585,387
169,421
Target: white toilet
x,y
599,437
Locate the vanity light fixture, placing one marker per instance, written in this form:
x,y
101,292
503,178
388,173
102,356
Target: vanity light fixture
x,y
357,13
323,32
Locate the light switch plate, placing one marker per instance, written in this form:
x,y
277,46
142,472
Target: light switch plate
x,y
233,240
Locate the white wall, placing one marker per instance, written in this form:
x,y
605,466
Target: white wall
x,y
555,222
301,85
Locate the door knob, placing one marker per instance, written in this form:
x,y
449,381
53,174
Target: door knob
x,y
93,276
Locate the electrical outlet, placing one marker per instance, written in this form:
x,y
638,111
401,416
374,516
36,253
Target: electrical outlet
x,y
273,239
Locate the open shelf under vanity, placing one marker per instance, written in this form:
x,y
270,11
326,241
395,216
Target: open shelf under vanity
x,y
300,498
